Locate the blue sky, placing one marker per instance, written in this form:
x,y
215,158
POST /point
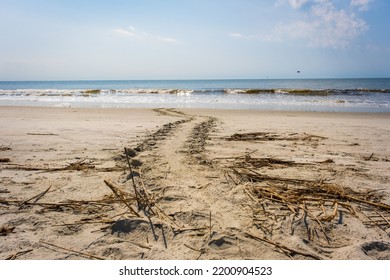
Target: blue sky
x,y
193,39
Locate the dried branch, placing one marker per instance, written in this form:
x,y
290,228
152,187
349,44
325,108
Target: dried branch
x,y
121,196
283,247
85,255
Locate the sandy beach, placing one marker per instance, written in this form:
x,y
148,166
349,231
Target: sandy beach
x,y
195,184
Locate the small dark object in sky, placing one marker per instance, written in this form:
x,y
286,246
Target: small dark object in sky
x,y
298,71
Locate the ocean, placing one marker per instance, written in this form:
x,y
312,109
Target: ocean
x,y
321,95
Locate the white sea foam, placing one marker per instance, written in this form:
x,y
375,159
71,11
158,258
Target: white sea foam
x,y
227,98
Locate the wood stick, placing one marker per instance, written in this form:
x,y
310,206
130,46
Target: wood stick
x,y
292,224
36,197
249,194
374,222
70,167
42,134
210,223
192,248
87,222
283,247
131,173
383,217
116,192
305,221
242,156
14,256
138,244
86,255
152,227
189,229
163,216
145,191
378,205
163,234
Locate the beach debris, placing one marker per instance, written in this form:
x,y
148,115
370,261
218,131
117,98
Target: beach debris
x,y
5,148
17,254
287,250
370,157
146,205
81,164
5,160
42,134
121,196
78,165
313,203
131,174
210,226
5,230
270,136
34,198
79,253
79,206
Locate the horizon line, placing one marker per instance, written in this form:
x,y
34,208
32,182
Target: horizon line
x,y
190,79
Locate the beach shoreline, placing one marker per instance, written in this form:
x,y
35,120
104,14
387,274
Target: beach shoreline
x,y
205,184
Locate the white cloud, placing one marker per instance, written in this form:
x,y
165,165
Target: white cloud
x,y
296,4
167,40
236,35
362,5
131,31
124,32
322,25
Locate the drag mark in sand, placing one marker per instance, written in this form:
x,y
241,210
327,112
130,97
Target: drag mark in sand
x,y
190,194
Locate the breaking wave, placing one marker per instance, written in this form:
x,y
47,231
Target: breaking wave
x,y
186,92
357,95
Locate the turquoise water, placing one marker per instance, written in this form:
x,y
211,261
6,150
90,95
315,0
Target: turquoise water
x,y
340,95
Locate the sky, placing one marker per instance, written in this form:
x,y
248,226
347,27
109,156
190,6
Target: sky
x,y
193,39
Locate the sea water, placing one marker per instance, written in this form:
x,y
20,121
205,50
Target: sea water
x,y
339,95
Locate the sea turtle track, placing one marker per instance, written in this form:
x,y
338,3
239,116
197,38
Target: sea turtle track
x,y
196,143
178,174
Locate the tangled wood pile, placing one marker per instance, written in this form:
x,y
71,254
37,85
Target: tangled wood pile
x,y
311,207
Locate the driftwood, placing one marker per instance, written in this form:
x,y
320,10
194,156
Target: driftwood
x,y
20,253
317,202
119,194
284,248
79,165
89,205
35,198
42,134
132,176
269,136
5,230
164,238
5,148
85,255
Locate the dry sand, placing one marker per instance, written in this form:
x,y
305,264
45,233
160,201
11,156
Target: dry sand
x,y
211,184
